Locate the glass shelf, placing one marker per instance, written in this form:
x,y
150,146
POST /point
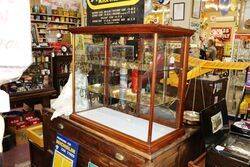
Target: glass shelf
x,y
132,97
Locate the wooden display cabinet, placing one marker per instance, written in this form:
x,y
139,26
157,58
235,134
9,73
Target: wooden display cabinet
x,y
35,86
147,115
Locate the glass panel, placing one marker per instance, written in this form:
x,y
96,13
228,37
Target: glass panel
x,y
89,72
167,79
122,71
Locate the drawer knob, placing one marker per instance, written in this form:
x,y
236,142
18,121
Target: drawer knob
x,y
119,156
60,126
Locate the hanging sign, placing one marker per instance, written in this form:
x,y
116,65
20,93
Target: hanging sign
x,y
66,151
111,12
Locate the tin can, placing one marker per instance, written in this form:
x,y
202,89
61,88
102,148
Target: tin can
x,y
36,8
134,81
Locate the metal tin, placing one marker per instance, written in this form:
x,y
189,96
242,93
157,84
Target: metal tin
x,y
36,8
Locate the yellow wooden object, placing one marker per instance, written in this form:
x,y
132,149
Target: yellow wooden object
x,y
226,65
35,134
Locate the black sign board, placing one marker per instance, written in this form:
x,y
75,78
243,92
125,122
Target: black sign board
x,y
112,12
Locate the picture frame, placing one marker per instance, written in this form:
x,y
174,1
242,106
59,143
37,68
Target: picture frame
x,y
34,33
178,11
196,9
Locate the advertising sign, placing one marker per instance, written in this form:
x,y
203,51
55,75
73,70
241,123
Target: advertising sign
x,y
66,151
111,12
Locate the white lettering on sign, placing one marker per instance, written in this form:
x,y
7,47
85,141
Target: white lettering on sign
x,y
15,33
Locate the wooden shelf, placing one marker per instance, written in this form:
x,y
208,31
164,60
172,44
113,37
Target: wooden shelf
x,y
131,97
58,28
43,14
41,27
64,56
55,22
41,48
119,64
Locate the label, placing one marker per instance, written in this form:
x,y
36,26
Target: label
x,y
217,122
90,164
110,12
65,154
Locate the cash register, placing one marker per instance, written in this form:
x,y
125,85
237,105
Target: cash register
x,y
224,148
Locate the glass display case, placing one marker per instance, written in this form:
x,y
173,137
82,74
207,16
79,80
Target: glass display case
x,y
130,91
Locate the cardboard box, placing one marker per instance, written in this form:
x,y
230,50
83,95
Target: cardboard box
x,y
20,135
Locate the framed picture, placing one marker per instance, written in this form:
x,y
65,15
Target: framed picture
x,y
196,9
179,11
34,33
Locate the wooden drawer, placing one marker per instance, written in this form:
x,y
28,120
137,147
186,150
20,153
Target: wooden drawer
x,y
86,154
87,140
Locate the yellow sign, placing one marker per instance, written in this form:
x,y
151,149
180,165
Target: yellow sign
x,y
106,4
61,160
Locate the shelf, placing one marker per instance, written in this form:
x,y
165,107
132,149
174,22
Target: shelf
x,y
43,14
41,48
119,64
55,22
34,91
64,56
132,97
58,28
41,27
39,21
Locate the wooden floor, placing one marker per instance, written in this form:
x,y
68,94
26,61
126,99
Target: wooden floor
x,y
17,157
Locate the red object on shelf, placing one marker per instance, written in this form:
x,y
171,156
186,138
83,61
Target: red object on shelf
x,y
58,45
134,82
33,121
13,120
28,116
21,124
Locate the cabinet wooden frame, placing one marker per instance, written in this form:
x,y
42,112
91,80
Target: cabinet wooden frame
x,y
144,31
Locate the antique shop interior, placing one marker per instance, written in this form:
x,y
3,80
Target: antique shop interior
x,y
124,83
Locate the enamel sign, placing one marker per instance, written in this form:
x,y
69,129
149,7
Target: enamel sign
x,y
111,12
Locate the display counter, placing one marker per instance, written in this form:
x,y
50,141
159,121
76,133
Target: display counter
x,y
102,150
